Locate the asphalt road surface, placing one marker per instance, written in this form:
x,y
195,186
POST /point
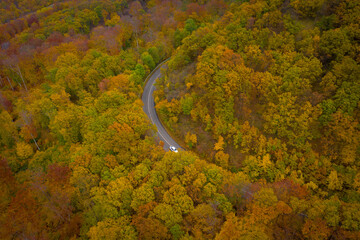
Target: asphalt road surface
x,y
149,109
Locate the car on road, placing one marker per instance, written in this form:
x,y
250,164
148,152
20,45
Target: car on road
x,y
173,149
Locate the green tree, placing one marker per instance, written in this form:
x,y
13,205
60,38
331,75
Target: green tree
x,y
155,54
334,44
138,74
148,60
187,104
190,25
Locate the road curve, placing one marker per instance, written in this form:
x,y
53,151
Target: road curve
x,y
149,108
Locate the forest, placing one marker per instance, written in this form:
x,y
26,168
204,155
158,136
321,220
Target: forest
x,y
264,95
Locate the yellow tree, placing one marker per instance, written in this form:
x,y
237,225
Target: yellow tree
x,y
113,229
334,183
220,144
190,139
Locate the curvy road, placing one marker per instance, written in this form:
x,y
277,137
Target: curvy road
x,y
149,108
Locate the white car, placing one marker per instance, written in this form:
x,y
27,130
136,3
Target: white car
x,y
173,149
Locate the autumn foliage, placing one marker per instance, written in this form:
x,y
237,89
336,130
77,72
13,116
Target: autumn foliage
x,y
264,96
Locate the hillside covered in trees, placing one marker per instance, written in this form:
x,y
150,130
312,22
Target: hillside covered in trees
x,y
264,94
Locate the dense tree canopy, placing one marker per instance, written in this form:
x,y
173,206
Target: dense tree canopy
x,y
264,95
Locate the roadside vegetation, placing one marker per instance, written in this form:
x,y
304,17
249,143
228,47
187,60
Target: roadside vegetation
x,y
264,94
